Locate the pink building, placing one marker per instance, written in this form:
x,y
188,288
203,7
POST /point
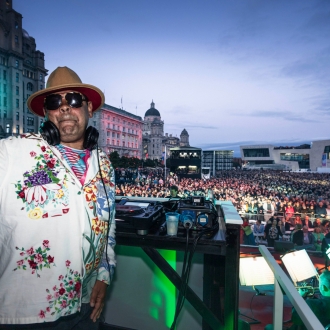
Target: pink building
x,y
119,130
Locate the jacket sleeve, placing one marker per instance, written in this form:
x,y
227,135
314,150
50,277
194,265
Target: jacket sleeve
x,y
108,262
3,161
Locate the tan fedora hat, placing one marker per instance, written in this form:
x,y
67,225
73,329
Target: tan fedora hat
x,y
62,79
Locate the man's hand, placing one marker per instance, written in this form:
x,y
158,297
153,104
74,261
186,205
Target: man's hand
x,y
97,299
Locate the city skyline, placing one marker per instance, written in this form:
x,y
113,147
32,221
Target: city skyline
x,y
239,72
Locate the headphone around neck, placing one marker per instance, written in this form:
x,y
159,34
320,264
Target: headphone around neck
x,y
51,134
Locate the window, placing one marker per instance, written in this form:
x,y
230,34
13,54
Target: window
x,y
114,126
17,115
30,121
94,123
30,130
16,63
108,133
17,77
5,103
117,143
17,103
123,143
4,88
118,135
29,87
17,90
258,152
17,129
16,39
123,129
113,142
7,128
41,77
41,87
108,141
4,75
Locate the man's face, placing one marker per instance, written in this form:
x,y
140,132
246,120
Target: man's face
x,y
173,193
71,122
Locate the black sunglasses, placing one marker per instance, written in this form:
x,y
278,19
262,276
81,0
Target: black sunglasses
x,y
74,100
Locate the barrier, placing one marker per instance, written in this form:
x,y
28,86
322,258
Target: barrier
x,y
282,282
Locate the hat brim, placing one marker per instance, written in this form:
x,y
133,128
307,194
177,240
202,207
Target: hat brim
x,y
35,102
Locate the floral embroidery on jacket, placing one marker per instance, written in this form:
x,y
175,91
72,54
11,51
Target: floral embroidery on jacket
x,y
41,185
36,259
64,296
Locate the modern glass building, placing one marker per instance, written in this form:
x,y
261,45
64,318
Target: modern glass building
x,y
217,160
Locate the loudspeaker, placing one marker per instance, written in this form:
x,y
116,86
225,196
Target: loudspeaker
x,y
51,134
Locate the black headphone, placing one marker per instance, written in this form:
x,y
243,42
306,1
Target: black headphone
x,y
51,134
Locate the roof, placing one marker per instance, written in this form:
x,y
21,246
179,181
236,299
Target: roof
x,y
185,148
152,111
120,111
184,132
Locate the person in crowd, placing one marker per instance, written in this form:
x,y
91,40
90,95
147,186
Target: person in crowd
x,y
272,232
306,222
320,210
248,237
57,198
289,212
281,226
320,307
269,210
258,230
304,210
309,239
173,191
297,235
317,223
318,238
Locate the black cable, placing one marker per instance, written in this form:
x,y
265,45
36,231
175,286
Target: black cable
x,y
185,276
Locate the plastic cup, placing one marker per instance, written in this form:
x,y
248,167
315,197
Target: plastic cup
x,y
172,220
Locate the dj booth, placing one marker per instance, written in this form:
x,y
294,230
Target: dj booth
x,y
145,289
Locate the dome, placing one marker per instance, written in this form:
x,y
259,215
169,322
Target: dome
x,y
25,34
152,111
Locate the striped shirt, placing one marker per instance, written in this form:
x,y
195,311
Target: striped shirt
x,y
77,159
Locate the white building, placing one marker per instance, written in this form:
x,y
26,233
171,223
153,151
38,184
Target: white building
x,y
314,157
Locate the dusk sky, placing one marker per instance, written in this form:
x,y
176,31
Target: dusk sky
x,y
229,72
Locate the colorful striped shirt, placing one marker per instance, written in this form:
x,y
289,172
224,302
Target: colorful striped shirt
x,y
77,159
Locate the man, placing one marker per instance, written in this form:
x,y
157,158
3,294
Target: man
x,y
56,213
320,210
268,210
173,191
320,307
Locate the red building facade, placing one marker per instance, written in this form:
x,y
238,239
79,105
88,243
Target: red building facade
x,y
119,130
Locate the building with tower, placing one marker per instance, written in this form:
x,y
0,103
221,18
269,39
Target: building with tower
x,y
22,72
184,138
153,139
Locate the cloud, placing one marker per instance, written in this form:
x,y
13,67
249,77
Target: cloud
x,y
285,115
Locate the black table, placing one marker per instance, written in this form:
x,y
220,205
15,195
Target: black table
x,y
219,307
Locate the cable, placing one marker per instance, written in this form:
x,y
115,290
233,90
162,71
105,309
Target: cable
x,y
185,274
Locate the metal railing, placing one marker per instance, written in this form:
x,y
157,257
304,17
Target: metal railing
x,y
282,282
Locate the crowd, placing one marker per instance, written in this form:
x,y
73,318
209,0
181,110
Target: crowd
x,y
283,200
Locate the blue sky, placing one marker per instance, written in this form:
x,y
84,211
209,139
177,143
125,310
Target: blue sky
x,y
230,72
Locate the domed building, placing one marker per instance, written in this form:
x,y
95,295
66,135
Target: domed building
x,y
154,140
